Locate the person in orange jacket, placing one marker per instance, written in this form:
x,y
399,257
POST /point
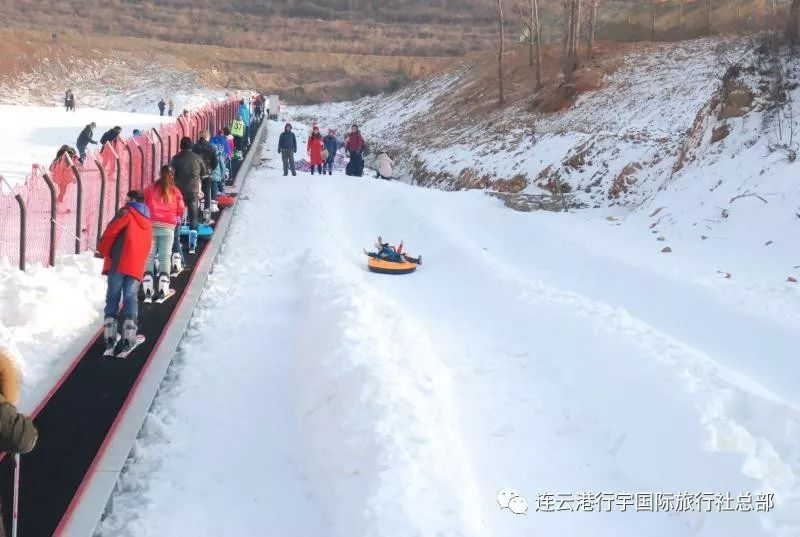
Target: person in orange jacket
x,y
315,146
124,246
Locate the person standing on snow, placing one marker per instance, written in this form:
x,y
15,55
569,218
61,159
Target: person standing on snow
x,y
354,147
162,105
315,146
170,106
165,203
331,146
85,138
124,247
384,165
189,171
287,147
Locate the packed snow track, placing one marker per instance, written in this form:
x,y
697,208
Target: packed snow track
x,y
544,352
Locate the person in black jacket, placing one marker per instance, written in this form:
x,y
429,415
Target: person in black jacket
x,y
85,138
162,105
110,135
17,432
189,170
209,155
287,147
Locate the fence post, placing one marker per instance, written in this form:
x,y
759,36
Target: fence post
x,y
130,167
52,187
161,149
79,212
180,124
102,198
23,236
141,153
169,147
118,186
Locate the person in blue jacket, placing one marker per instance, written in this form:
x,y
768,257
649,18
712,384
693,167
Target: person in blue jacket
x,y
331,145
244,113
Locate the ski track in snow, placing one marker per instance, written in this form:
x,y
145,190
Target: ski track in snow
x,y
311,397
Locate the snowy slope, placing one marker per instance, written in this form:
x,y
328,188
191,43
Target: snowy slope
x,y
558,353
39,131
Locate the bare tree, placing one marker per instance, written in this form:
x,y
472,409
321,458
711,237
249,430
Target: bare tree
x,y
500,87
530,21
592,27
708,16
572,14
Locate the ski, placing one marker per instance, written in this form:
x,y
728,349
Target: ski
x,y
125,353
111,348
165,298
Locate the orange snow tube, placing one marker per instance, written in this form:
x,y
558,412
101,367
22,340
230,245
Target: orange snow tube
x,y
390,267
225,201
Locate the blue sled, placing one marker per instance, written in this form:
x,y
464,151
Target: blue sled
x,y
203,231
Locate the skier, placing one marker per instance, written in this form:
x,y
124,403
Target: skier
x,y
17,432
189,169
162,105
315,146
238,130
165,203
258,103
209,156
354,148
287,147
244,114
136,133
124,247
331,146
384,165
220,173
170,106
85,138
110,136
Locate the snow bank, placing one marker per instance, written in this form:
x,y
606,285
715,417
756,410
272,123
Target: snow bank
x,y
47,314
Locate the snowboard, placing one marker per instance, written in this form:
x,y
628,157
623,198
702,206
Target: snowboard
x,y
139,340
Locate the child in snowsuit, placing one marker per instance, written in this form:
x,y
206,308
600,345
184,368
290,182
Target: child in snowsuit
x,y
124,246
315,146
331,145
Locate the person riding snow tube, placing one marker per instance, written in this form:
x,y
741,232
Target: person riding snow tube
x,y
391,260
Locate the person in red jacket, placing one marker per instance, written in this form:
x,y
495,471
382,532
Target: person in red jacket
x,y
354,147
165,203
124,247
315,146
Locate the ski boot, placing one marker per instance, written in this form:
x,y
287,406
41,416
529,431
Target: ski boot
x,y
130,339
110,335
147,287
192,241
177,263
163,287
214,207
